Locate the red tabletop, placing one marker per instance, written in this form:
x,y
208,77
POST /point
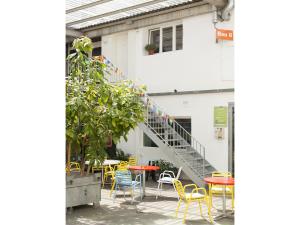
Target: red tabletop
x,y
143,168
219,180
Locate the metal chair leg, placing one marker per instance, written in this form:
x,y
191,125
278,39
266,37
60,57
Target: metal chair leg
x,y
199,201
112,188
209,210
157,190
177,209
185,211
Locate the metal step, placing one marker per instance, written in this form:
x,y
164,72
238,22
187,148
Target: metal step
x,y
181,146
201,166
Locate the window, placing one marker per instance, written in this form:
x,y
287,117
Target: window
x,y
155,38
170,40
167,39
179,37
148,142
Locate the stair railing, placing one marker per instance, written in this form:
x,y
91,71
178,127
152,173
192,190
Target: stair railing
x,y
153,108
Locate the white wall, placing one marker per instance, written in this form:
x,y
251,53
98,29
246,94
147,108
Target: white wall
x,y
202,64
115,48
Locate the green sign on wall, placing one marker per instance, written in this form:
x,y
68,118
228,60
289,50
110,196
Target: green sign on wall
x,y
220,116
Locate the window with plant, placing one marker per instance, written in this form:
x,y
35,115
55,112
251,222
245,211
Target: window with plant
x,y
171,40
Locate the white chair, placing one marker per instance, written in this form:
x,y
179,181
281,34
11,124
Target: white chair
x,y
167,177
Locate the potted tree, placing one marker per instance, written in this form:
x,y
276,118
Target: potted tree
x,y
150,48
95,111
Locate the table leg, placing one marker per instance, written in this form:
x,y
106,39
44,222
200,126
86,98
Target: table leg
x,y
224,213
144,183
224,199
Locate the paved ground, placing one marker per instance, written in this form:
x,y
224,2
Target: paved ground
x,y
147,212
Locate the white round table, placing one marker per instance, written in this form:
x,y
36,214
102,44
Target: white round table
x,y
106,162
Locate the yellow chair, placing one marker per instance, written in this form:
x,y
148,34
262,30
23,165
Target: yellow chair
x,y
132,161
215,189
112,185
97,168
74,166
122,165
108,172
197,195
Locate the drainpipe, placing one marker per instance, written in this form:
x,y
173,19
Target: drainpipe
x,y
215,15
226,11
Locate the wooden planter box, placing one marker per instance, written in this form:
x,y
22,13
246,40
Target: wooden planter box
x,y
82,190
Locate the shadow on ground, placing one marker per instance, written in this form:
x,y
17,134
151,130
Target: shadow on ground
x,y
149,211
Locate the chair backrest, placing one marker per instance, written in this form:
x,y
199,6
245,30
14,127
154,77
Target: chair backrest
x,y
74,166
179,188
178,173
221,174
108,168
123,178
123,165
132,161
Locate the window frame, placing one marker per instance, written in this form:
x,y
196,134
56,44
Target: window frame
x,y
149,37
173,25
175,38
172,36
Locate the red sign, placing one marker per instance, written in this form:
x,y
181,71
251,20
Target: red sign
x,y
224,34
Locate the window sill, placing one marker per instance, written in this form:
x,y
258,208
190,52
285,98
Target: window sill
x,y
165,53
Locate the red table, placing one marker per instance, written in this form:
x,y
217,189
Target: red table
x,y
144,168
219,180
224,181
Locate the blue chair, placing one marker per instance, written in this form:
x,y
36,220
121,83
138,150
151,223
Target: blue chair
x,y
124,181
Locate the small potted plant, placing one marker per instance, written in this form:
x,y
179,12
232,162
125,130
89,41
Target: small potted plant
x,y
150,48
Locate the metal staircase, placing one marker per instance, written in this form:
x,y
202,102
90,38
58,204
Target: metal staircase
x,y
172,139
176,143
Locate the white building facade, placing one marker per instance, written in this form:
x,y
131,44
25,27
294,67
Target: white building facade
x,y
190,75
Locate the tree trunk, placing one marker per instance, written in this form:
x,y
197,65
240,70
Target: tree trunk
x,y
88,169
68,158
82,159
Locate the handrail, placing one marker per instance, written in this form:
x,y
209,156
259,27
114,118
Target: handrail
x,y
177,124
